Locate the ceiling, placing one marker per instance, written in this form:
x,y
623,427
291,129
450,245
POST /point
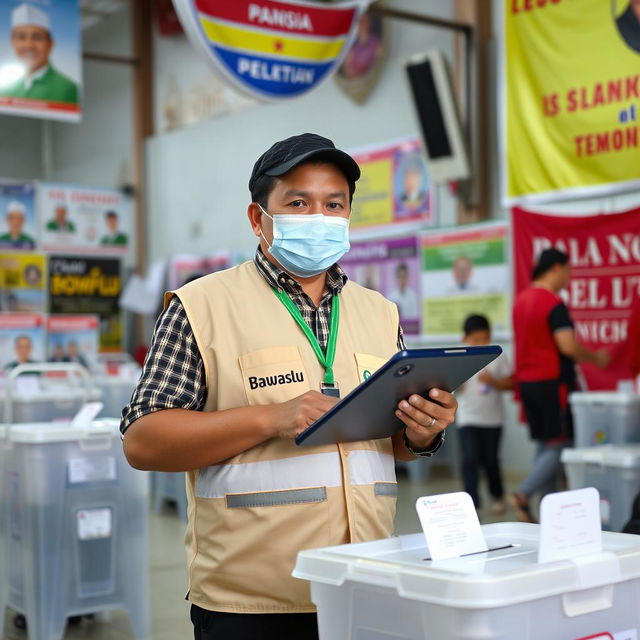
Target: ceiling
x,y
93,12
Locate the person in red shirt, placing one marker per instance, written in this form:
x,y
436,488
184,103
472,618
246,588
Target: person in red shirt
x,y
546,350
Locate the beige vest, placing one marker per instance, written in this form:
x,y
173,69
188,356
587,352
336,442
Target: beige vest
x,y
250,515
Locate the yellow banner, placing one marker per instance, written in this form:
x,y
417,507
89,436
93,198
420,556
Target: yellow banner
x,y
572,74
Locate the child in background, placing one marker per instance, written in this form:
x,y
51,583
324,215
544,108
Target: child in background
x,y
480,417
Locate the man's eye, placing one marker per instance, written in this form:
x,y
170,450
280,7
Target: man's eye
x,y
334,205
297,203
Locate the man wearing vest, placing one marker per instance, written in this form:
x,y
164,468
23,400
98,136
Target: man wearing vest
x,y
245,359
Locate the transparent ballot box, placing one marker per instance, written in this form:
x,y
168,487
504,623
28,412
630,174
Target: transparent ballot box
x,y
115,377
167,485
614,470
74,526
43,392
605,417
388,590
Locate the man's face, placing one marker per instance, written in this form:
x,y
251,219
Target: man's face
x,y
72,348
478,338
15,222
61,215
462,271
305,190
112,223
412,180
402,278
32,46
562,276
23,349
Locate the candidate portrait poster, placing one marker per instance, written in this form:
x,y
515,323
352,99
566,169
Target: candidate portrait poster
x,y
186,267
604,253
73,339
22,340
88,285
391,267
23,279
394,188
464,272
40,59
571,98
83,219
18,226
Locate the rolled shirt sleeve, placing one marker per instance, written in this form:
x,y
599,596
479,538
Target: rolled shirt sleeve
x,y
173,373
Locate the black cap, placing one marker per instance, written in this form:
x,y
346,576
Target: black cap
x,y
287,154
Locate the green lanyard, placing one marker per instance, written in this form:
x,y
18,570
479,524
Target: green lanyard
x,y
326,360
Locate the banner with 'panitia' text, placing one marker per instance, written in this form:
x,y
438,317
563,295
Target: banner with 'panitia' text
x,y
271,50
572,97
604,252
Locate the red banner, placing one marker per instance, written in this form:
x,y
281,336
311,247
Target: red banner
x,y
604,251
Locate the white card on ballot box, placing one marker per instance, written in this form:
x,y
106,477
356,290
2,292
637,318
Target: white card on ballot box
x,y
450,524
570,525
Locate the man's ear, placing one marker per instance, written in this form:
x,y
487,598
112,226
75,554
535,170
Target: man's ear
x,y
254,214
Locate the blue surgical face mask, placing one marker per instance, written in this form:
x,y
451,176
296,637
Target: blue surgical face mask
x,y
308,244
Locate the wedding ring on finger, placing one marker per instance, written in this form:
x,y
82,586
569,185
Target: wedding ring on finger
x,y
433,421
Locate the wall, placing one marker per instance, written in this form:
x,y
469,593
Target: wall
x,y
204,207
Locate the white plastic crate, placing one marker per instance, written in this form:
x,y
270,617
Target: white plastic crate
x,y
115,393
74,526
614,470
386,590
604,417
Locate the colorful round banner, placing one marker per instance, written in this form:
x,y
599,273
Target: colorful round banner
x,y
272,50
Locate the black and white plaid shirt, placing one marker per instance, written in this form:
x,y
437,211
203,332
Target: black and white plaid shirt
x,y
173,375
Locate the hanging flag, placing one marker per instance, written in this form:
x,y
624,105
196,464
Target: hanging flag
x,y
272,50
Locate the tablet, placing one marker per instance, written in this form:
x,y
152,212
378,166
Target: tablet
x,y
368,412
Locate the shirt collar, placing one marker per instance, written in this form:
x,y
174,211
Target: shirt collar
x,y
30,79
279,279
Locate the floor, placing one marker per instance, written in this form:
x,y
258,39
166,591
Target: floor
x,y
170,612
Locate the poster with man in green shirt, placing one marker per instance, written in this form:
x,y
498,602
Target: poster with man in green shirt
x,y
40,59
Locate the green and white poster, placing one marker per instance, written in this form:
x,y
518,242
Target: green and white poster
x,y
464,272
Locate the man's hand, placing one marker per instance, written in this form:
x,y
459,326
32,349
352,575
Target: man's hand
x,y
424,419
602,358
288,419
486,378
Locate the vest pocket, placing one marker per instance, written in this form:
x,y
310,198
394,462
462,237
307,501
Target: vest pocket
x,y
367,365
273,375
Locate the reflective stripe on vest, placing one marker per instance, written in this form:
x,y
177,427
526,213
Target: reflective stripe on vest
x,y
292,474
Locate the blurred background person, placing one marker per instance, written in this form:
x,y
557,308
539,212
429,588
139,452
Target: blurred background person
x,y
480,418
114,237
546,350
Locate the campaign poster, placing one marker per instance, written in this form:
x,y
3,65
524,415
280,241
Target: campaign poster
x,y
73,339
84,219
22,339
88,285
604,254
464,272
571,98
391,267
18,227
185,267
40,59
394,188
23,279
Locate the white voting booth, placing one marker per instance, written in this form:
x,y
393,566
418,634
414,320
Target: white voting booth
x,y
73,523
